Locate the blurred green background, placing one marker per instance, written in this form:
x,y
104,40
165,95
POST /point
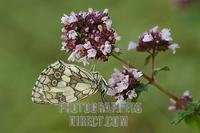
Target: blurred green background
x,y
29,41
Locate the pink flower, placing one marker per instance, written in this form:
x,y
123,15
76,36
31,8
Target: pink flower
x,y
72,34
132,45
79,47
154,39
131,94
120,100
147,37
137,74
91,53
116,77
117,50
186,96
92,31
184,99
69,19
87,45
74,56
111,92
123,84
184,3
166,35
106,49
173,47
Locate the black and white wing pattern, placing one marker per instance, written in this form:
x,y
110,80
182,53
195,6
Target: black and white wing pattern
x,y
63,83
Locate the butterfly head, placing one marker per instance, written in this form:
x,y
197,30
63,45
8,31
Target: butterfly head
x,y
101,82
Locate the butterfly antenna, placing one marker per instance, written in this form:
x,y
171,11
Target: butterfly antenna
x,y
105,83
103,99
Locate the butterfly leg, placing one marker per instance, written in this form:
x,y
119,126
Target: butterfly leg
x,y
93,67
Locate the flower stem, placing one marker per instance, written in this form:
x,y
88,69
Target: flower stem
x,y
153,64
150,80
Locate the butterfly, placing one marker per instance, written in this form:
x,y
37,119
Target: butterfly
x,y
65,83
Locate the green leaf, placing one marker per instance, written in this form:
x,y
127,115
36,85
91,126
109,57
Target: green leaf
x,y
140,88
193,121
165,68
195,104
180,115
147,59
190,116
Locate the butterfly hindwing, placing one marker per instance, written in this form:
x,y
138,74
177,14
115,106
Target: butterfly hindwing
x,y
63,83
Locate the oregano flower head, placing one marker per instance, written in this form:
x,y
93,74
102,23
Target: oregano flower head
x,y
154,39
88,35
185,99
123,84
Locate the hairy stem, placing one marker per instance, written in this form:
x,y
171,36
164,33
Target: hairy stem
x,y
153,65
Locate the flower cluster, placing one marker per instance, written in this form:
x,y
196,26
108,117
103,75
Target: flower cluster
x,y
183,3
88,35
154,39
123,84
184,99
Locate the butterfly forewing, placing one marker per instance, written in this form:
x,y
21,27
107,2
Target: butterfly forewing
x,y
63,83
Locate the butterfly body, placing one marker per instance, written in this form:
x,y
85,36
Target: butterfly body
x,y
66,83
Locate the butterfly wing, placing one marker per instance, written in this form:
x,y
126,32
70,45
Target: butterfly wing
x,y
63,83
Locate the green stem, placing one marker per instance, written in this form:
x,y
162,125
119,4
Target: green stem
x,y
153,64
